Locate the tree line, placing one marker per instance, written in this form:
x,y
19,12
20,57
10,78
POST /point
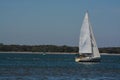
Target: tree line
x,y
37,48
50,48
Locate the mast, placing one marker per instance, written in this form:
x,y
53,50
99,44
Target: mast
x,y
90,28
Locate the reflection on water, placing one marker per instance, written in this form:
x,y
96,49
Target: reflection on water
x,y
57,67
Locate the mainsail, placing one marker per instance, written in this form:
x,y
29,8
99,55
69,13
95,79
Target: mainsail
x,y
87,43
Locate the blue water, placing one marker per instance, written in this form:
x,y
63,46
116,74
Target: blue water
x,y
57,67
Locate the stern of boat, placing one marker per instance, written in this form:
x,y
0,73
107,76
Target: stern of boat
x,y
77,59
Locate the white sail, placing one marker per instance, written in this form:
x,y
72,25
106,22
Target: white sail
x,y
94,45
87,43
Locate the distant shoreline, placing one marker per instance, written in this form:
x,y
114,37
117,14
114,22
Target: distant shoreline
x,y
51,48
41,52
56,53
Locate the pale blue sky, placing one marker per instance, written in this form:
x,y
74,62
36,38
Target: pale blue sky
x,y
58,22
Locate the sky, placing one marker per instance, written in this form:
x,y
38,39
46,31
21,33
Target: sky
x,y
58,22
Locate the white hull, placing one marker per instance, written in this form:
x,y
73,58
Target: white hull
x,y
87,59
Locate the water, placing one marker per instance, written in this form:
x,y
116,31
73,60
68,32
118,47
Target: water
x,y
57,67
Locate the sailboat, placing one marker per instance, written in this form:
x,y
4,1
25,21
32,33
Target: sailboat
x,y
88,50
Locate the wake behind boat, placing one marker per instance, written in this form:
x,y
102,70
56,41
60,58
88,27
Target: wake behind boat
x,y
88,50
